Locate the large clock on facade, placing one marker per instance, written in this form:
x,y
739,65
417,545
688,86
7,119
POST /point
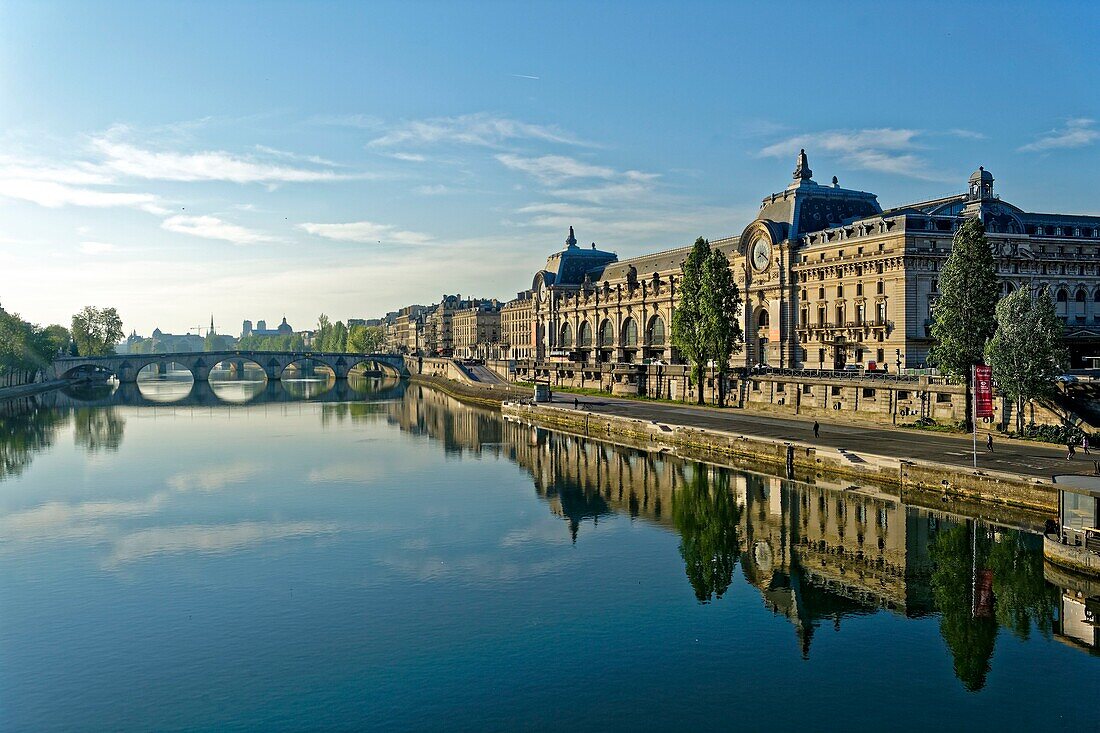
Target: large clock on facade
x,y
761,253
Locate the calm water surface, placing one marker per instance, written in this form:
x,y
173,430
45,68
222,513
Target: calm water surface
x,y
318,555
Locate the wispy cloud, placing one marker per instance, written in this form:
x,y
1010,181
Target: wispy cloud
x,y
288,155
211,227
98,248
366,232
127,159
479,129
885,149
526,76
554,168
409,157
53,194
1077,133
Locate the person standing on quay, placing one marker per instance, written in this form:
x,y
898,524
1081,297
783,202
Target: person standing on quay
x,y
1085,443
989,442
817,430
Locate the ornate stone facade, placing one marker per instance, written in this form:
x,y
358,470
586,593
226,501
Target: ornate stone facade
x,y
829,280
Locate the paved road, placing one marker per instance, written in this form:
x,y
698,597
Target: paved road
x,y
1029,459
484,374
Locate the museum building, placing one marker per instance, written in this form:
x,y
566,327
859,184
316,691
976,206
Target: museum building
x,y
829,279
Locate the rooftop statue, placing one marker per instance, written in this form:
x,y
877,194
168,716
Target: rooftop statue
x,y
802,172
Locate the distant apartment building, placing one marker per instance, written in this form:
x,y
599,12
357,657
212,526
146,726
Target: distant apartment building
x,y
477,331
516,337
407,337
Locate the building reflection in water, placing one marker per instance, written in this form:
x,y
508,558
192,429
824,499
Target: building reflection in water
x,y
817,554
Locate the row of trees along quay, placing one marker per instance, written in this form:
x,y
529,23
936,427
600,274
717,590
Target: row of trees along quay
x,y
27,348
1018,336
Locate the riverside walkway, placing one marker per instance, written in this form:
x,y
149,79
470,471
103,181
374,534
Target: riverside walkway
x,y
1037,460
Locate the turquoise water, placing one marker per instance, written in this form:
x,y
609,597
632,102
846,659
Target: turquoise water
x,y
391,559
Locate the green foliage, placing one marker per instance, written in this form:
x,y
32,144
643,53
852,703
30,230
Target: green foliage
x,y
707,516
26,348
720,303
706,324
1026,352
688,329
1060,434
96,331
964,318
365,339
289,342
217,342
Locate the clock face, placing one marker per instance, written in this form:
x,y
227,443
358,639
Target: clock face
x,y
761,253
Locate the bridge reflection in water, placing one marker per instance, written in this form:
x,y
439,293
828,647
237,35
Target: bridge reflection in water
x,y
212,393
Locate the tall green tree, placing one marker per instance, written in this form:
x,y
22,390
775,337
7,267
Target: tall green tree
x,y
364,339
1026,352
96,331
338,339
720,301
689,329
966,310
25,348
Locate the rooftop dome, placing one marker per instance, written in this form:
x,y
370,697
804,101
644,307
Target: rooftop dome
x,y
981,175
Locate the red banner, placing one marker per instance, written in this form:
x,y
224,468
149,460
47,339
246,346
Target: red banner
x,y
983,391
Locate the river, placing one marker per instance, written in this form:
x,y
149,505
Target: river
x,y
369,555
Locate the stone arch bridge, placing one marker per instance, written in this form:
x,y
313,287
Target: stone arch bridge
x,y
127,366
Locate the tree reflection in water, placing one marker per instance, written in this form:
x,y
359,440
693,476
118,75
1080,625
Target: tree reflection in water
x,y
968,633
964,556
97,429
707,517
25,431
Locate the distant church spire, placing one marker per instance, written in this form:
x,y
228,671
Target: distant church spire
x,y
802,172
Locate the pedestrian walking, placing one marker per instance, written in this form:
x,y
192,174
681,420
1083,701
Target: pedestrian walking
x,y
1085,443
989,442
576,402
1070,452
817,430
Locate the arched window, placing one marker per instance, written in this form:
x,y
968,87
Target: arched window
x,y
607,334
1061,304
656,335
584,335
763,319
566,336
630,332
1079,306
1096,297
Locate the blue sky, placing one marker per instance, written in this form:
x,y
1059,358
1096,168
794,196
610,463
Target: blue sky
x,y
260,160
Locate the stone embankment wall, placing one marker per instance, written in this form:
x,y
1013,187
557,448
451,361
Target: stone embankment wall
x,y
799,461
871,397
32,388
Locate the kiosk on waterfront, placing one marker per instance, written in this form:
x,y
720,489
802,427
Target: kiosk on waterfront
x,y
1076,543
